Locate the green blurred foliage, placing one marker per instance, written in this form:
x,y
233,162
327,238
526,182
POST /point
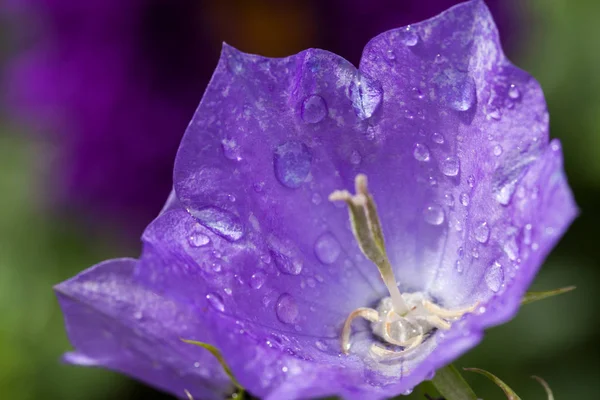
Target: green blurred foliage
x,y
556,339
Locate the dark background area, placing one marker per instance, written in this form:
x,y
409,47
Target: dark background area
x,y
45,238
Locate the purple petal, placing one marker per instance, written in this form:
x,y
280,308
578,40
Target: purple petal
x,y
118,324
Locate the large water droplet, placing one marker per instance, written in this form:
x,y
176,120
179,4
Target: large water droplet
x,y
327,248
506,177
286,309
221,222
421,152
231,150
494,277
434,215
410,37
366,94
292,163
437,138
198,239
450,166
257,280
513,92
286,256
314,109
216,301
482,232
355,157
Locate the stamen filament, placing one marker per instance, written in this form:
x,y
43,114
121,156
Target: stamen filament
x,y
444,313
367,313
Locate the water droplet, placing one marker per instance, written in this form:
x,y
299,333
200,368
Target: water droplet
x,y
506,177
421,152
527,234
221,222
459,266
417,93
511,248
498,150
475,253
355,157
286,256
138,315
366,94
327,248
257,280
493,113
228,291
198,239
513,92
390,55
314,109
434,215
410,37
482,232
286,309
463,95
494,277
450,166
464,199
316,199
292,163
231,150
437,138
449,199
471,181
216,301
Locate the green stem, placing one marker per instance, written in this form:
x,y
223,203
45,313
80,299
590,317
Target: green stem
x,y
450,383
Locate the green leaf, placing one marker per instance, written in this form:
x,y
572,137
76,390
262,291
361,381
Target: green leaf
x,y
450,383
510,394
215,352
546,387
530,297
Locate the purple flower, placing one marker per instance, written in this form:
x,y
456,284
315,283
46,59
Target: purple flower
x,y
252,257
114,83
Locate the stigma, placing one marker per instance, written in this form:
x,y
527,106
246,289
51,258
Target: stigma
x,y
401,321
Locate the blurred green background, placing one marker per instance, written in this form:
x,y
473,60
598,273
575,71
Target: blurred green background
x,y
556,339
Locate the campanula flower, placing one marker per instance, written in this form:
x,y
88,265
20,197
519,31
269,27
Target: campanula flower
x,y
346,231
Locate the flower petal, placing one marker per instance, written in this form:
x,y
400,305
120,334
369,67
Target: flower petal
x,y
117,324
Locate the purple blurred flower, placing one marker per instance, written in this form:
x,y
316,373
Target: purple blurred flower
x,y
249,256
114,83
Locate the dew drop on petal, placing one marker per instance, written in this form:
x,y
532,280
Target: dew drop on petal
x,y
507,176
437,138
314,109
216,301
366,95
464,199
286,256
410,37
286,309
497,150
198,239
464,95
449,199
231,150
257,280
355,157
450,166
513,92
327,248
494,277
434,215
482,232
221,222
292,162
421,152
511,248
459,266
471,181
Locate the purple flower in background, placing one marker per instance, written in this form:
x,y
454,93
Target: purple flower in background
x,y
114,83
249,255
